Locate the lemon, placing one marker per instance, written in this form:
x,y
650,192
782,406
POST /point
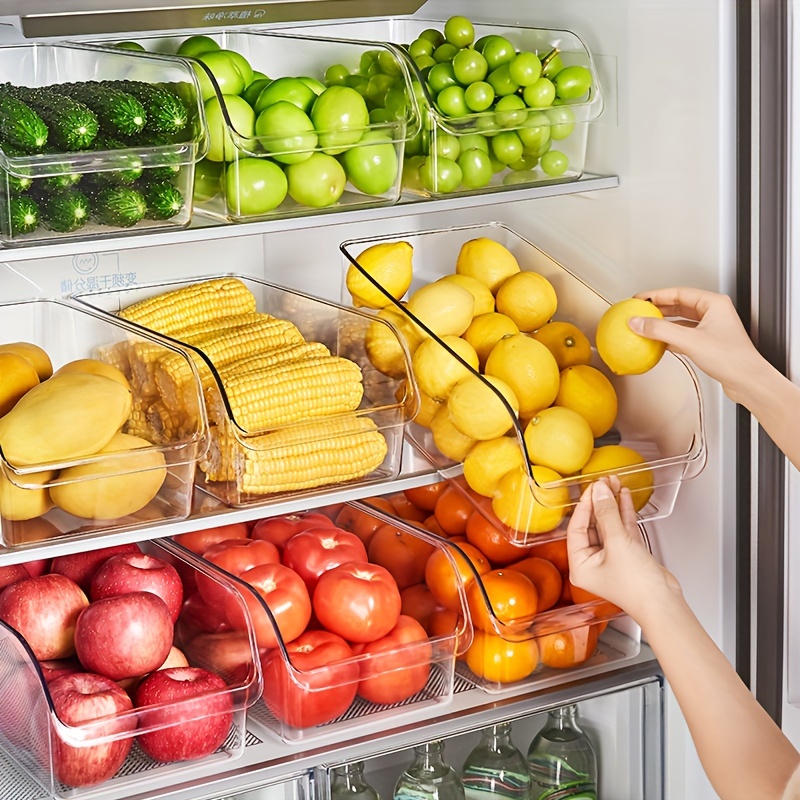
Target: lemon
x,y
528,298
486,330
438,371
449,441
444,307
612,457
426,411
626,352
488,261
567,342
488,461
477,411
559,438
389,263
588,391
383,347
527,508
484,299
529,368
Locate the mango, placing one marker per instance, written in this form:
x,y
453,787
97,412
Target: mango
x,y
33,353
95,367
25,502
17,377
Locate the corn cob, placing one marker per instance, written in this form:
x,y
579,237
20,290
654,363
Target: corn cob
x,y
286,393
173,311
168,425
270,358
117,355
138,424
302,456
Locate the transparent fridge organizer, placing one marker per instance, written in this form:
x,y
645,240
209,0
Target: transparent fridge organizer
x,y
29,515
424,665
249,465
370,176
120,172
34,736
441,135
659,418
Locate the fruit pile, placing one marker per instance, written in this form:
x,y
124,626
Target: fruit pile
x,y
336,592
81,117
495,108
493,358
113,634
524,611
51,417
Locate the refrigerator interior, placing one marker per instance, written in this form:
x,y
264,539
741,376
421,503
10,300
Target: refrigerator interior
x,y
670,140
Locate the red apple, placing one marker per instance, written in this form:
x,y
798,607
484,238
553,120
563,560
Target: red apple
x,y
175,658
11,573
139,572
124,636
57,667
194,713
37,567
228,654
44,611
197,615
78,699
81,567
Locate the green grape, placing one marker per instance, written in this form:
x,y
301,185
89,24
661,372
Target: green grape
x,y
357,82
411,173
525,69
507,147
497,165
440,175
497,50
511,111
418,144
396,102
440,77
476,168
536,133
377,88
445,52
554,163
420,47
433,36
447,146
540,94
380,115
479,96
572,82
469,66
451,102
501,82
481,42
487,124
424,63
459,31
562,121
388,63
367,60
527,162
520,178
473,141
552,64
336,75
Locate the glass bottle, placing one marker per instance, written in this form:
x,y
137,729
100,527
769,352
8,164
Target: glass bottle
x,y
429,777
349,783
561,759
495,769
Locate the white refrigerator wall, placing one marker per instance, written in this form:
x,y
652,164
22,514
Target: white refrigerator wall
x,y
668,132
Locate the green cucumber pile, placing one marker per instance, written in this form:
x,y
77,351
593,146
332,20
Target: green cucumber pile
x,y
89,116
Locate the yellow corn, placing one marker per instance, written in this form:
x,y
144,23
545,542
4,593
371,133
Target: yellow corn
x,y
209,327
270,358
168,425
173,311
117,355
138,424
286,393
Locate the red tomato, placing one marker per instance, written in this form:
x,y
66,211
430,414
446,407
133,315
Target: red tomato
x,y
279,530
399,663
311,552
286,596
199,541
358,600
403,553
319,686
235,556
418,602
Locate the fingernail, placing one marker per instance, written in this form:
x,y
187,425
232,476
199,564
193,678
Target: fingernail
x,y
636,324
602,491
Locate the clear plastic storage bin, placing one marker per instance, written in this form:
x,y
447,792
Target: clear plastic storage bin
x,y
657,436
328,167
127,178
254,460
34,736
562,130
67,334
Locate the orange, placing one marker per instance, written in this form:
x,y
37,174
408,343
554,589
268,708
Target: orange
x,y
452,511
493,542
405,509
555,551
544,575
432,524
498,660
400,552
425,497
508,601
361,523
600,607
567,648
444,578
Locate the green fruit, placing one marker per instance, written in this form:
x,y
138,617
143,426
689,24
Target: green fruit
x,y
197,45
252,92
573,82
554,163
340,116
221,145
318,87
289,90
225,70
254,186
317,182
440,175
207,180
242,64
130,46
372,165
459,31
476,168
286,132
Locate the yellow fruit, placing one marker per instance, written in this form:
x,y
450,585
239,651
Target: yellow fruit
x,y
489,461
484,299
588,391
477,411
444,307
382,346
528,298
529,368
501,660
567,342
115,486
426,411
66,417
33,353
559,438
486,330
626,352
449,441
488,261
389,263
95,367
17,377
528,508
28,500
608,459
438,371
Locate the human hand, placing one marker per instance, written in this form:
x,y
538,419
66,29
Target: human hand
x,y
607,555
711,334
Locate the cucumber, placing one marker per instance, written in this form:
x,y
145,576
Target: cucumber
x,y
72,125
166,173
163,200
21,126
165,111
121,206
66,210
24,215
119,113
124,176
16,184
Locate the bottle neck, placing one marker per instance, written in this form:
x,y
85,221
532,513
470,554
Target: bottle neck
x,y
430,754
564,718
497,736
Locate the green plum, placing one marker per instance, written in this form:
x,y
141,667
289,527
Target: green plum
x,y
286,132
254,186
372,165
340,116
317,182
